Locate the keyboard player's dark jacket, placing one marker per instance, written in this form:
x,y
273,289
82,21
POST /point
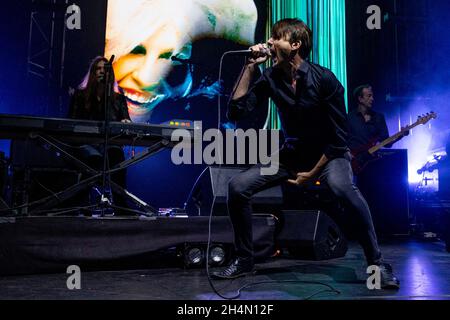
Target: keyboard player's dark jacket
x,y
78,110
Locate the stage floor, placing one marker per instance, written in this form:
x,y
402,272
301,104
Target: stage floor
x,y
423,269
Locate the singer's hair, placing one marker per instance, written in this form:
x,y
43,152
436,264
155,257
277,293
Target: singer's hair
x,y
89,85
294,30
357,93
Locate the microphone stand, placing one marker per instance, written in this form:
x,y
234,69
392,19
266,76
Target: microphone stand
x,y
106,192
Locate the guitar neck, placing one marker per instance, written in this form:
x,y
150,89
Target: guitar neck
x,y
392,139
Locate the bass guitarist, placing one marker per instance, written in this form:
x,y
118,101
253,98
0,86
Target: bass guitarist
x,y
366,127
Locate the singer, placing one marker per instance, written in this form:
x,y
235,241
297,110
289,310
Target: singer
x,y
310,102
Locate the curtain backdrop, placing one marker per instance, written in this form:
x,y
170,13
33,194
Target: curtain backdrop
x,y
326,18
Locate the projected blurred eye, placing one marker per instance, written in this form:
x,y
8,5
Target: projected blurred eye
x,y
166,55
185,52
140,49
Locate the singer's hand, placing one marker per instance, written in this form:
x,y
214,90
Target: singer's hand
x,y
303,177
260,54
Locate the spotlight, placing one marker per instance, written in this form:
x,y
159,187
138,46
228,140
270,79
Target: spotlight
x,y
217,255
194,256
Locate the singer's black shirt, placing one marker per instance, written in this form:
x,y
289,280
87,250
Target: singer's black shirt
x,y
313,117
96,111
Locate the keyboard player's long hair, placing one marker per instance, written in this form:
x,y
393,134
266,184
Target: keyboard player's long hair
x,y
89,85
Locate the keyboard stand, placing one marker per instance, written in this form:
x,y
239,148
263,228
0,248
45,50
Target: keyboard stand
x,y
94,176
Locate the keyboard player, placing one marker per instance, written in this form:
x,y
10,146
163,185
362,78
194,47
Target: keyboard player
x,y
87,103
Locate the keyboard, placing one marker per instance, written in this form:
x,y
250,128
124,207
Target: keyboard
x,y
90,132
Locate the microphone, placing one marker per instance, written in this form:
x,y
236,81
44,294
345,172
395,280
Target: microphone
x,y
108,77
111,60
244,52
250,53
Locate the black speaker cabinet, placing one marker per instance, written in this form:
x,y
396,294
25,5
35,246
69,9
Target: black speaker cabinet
x,y
384,184
214,182
29,153
310,235
446,228
38,172
3,179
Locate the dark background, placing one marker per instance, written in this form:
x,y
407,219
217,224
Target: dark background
x,y
406,62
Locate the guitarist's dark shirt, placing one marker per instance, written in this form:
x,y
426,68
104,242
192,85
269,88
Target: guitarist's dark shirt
x,y
364,135
313,117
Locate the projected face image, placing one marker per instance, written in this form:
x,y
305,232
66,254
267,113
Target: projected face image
x,y
150,37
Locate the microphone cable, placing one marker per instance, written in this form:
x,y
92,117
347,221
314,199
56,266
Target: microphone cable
x,y
219,122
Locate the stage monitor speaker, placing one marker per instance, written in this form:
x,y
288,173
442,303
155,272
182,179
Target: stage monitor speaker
x,y
214,182
310,235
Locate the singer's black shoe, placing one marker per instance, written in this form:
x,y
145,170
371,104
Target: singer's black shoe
x,y
240,267
388,279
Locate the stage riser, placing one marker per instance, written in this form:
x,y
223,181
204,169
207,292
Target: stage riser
x,y
50,244
34,245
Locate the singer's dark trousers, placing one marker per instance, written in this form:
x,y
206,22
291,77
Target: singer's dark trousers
x,y
337,174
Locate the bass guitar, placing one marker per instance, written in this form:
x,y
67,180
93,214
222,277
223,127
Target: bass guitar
x,y
363,156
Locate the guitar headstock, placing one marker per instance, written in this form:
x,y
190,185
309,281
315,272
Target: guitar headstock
x,y
423,119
